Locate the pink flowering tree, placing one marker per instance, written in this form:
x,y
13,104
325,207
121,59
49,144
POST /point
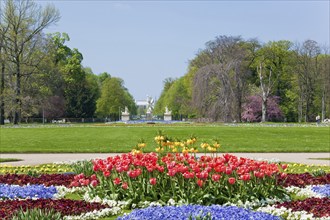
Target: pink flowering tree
x,y
252,109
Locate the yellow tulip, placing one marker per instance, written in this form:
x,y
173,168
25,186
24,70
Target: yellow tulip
x,y
142,145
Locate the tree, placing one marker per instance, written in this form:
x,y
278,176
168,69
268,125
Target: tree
x,y
270,65
55,107
92,93
26,21
177,99
3,30
103,76
324,84
161,102
252,109
308,71
114,97
266,84
220,81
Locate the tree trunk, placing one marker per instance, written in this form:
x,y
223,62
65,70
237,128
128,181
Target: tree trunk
x,y
307,111
239,110
263,107
323,105
2,88
18,103
300,109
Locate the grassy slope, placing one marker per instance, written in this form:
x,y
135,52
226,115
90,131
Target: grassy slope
x,y
122,138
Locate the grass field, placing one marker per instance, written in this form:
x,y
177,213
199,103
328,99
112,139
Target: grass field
x,y
88,139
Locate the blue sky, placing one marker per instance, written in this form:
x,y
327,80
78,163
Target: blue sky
x,y
144,42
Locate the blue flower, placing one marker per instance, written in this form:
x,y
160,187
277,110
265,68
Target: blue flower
x,y
323,190
28,191
193,211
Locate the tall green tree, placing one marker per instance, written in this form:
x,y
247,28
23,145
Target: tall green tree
x,y
3,30
178,99
324,85
114,98
26,21
270,64
307,69
92,93
220,81
161,102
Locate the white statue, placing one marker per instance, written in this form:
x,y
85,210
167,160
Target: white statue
x,y
167,111
125,115
126,111
167,114
150,104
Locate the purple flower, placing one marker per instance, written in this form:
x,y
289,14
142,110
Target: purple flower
x,y
28,191
196,211
324,190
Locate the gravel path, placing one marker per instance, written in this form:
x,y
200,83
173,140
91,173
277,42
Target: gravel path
x,y
34,159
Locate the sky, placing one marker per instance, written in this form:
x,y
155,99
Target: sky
x,y
145,42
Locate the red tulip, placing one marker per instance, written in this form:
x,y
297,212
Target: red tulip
x,y
124,185
172,172
86,182
160,168
116,181
200,183
93,177
94,183
74,184
245,177
106,173
228,170
231,180
216,177
188,175
152,181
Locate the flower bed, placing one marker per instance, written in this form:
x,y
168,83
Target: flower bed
x,y
37,169
304,179
45,179
196,212
28,191
183,177
319,207
215,172
170,185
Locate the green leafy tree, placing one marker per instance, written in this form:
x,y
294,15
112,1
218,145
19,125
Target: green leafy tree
x,y
24,40
160,104
114,97
3,58
324,85
78,85
103,76
307,69
270,64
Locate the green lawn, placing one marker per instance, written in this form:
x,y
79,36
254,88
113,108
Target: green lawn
x,y
122,138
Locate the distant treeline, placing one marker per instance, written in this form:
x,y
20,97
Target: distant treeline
x,y
42,77
232,79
